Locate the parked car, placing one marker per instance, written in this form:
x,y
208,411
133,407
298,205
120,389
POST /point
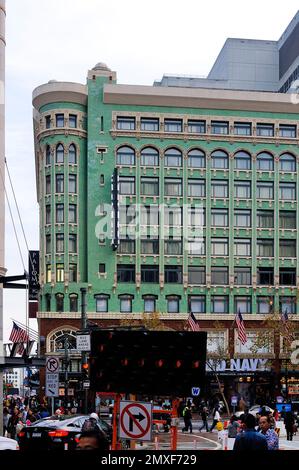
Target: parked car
x,y
56,433
254,410
8,444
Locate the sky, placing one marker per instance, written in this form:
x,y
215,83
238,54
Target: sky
x,y
63,39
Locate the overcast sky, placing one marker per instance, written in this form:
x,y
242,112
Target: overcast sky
x,y
62,39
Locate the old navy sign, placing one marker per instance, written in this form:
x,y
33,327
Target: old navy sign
x,y
238,365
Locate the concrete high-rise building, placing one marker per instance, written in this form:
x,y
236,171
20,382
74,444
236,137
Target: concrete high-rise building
x,y
170,200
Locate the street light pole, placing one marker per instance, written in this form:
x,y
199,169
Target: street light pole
x,y
83,327
66,365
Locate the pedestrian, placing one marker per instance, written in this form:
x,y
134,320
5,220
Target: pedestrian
x,y
95,440
216,418
204,416
233,427
250,439
242,405
269,433
187,415
30,417
6,417
289,422
12,423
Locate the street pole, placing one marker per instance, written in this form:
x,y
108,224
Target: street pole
x,y
66,365
83,291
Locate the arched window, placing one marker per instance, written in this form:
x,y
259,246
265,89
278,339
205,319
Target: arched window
x,y
64,338
59,153
196,159
125,156
287,162
173,157
72,154
73,302
48,155
59,302
265,161
242,161
149,157
219,159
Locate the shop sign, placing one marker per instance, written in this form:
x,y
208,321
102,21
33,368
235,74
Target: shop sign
x,y
238,365
293,389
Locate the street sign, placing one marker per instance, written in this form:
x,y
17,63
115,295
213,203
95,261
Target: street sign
x,y
195,391
52,385
135,421
83,342
86,383
234,400
52,365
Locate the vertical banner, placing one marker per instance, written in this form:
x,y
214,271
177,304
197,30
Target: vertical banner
x,y
33,275
114,213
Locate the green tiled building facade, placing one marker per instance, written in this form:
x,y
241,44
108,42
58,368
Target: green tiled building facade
x,y
204,218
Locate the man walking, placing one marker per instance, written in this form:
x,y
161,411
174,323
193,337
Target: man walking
x,y
204,417
270,434
187,415
216,418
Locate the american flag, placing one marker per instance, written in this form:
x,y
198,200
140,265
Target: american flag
x,y
20,349
193,322
241,328
18,334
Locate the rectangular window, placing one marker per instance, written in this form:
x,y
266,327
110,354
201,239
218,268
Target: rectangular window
x,y
265,248
242,218
126,246
59,120
149,215
150,273
149,246
219,275
196,275
173,274
149,186
196,246
102,268
173,304
196,126
72,213
73,120
48,122
219,246
149,304
265,219
48,244
59,183
72,184
173,216
287,276
243,189
265,276
126,305
59,213
264,190
173,247
196,217
287,248
264,304
72,243
173,187
219,217
59,272
125,273
197,303
72,272
242,128
125,123
265,130
287,191
219,188
288,131
127,214
48,184
243,276
48,273
149,124
48,214
287,219
196,188
242,304
101,303
219,127
287,305
59,243
173,125
127,185
219,304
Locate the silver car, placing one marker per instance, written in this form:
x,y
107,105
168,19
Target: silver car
x,y
254,410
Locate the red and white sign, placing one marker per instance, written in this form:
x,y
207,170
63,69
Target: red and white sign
x,y
135,420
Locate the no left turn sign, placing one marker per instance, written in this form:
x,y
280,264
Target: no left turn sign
x,y
135,421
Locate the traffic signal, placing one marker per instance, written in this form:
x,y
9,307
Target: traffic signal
x,y
147,362
85,370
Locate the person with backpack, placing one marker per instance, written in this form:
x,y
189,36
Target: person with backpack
x,y
204,416
216,418
187,415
